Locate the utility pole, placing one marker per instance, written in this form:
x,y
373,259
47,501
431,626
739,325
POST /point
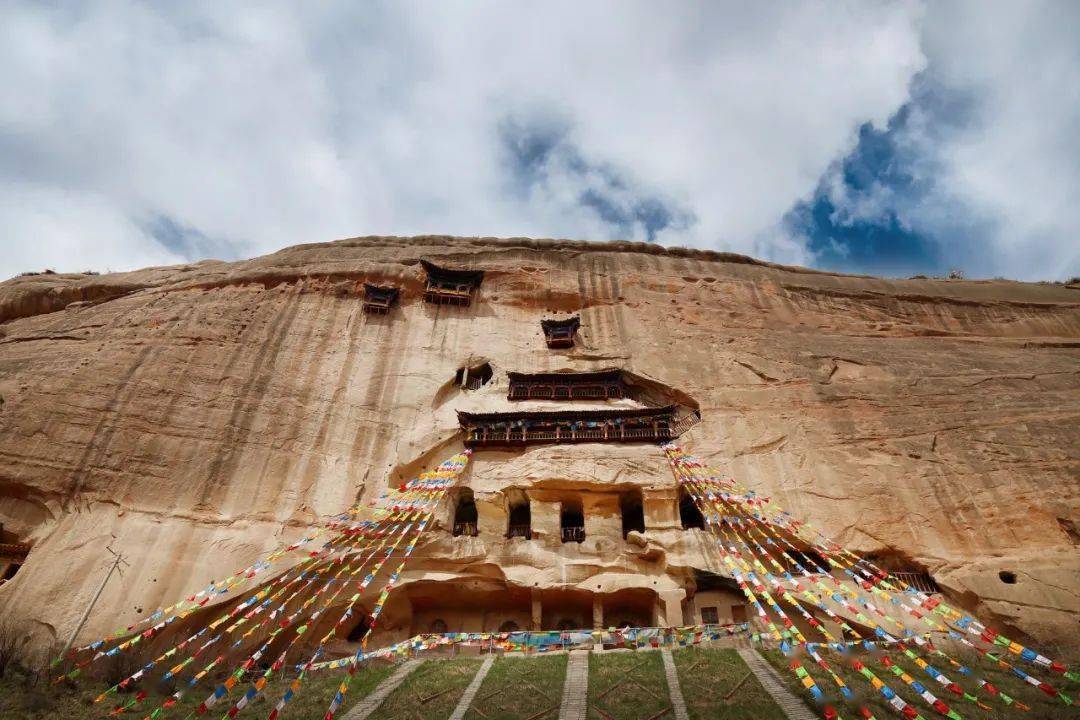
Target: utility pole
x,y
118,558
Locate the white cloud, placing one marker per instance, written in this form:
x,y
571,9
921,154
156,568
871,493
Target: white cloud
x,y
1014,168
269,125
989,139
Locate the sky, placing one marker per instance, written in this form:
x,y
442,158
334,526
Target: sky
x,y
892,138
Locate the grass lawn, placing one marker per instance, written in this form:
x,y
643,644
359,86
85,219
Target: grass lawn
x,y
22,699
1042,706
708,675
627,686
431,691
517,688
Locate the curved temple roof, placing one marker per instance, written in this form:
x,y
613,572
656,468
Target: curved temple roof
x,y
571,322
469,276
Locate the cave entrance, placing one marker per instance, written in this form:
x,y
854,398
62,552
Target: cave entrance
x,y
567,609
12,554
474,378
903,568
465,515
689,514
632,508
572,521
519,519
361,629
454,606
629,608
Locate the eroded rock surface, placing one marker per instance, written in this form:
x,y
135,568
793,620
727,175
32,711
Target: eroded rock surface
x,y
203,414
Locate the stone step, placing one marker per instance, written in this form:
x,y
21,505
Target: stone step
x,y
575,697
790,704
678,703
474,687
363,709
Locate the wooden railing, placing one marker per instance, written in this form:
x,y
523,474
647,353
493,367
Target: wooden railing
x,y
683,423
15,550
612,434
465,528
920,581
573,534
521,391
453,296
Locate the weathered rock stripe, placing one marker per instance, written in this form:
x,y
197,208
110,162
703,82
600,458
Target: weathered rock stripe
x,y
371,703
575,695
792,706
474,687
678,704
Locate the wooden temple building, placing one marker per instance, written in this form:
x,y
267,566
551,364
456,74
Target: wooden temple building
x,y
568,426
599,385
378,299
560,333
446,286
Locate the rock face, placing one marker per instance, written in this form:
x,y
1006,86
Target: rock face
x,y
204,414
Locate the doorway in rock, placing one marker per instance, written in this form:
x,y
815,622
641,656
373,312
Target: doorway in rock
x,y
572,521
465,606
465,515
519,518
360,630
633,512
629,607
566,609
689,515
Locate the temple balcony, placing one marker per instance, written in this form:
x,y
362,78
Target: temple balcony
x,y
602,385
528,428
560,333
379,299
446,286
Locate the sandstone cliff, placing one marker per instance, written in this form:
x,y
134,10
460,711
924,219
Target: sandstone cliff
x,y
204,413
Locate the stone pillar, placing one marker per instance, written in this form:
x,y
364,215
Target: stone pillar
x,y
537,610
598,611
669,608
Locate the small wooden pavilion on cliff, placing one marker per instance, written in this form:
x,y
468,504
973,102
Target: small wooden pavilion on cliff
x,y
560,333
446,286
378,299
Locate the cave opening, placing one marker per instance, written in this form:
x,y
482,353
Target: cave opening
x,y
359,630
519,519
632,508
474,378
689,514
465,515
572,521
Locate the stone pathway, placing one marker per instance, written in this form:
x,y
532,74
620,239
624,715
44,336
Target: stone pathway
x,y
371,703
678,704
575,696
474,687
792,706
